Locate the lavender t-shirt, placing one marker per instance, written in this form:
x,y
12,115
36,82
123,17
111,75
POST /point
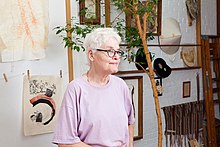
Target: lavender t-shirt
x,y
98,116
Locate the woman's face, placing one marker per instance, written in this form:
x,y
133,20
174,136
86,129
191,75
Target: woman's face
x,y
101,60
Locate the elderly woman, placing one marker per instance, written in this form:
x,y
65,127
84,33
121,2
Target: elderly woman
x,y
97,109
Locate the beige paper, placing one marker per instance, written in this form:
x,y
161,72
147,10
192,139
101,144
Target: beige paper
x,y
42,96
23,29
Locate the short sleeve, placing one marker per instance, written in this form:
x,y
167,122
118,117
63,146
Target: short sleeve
x,y
129,106
67,122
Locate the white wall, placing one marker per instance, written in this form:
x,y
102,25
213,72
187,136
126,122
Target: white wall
x,y
11,123
209,18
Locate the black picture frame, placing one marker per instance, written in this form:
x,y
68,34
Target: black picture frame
x,y
186,89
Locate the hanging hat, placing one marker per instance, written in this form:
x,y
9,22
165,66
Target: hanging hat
x,y
192,10
170,35
161,68
141,59
188,54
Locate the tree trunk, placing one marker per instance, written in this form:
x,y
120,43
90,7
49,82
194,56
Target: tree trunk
x,y
142,33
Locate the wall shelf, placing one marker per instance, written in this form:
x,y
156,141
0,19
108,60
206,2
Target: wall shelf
x,y
142,71
167,45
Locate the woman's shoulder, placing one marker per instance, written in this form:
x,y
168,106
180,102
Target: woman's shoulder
x,y
118,80
114,77
76,82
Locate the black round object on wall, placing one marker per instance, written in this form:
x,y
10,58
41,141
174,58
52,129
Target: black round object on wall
x,y
162,69
141,59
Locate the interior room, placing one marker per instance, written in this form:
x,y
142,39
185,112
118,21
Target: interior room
x,y
170,64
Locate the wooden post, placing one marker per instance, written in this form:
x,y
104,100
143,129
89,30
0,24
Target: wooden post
x,y
208,93
198,34
107,13
68,23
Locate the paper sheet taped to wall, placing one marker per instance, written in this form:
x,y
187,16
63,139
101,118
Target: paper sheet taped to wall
x,y
23,29
41,100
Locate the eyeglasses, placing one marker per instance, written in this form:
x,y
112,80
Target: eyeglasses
x,y
111,52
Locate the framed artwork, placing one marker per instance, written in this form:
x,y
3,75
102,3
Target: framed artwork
x,y
89,11
135,84
159,86
186,89
154,26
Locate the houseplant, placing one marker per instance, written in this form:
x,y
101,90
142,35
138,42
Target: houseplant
x,y
130,35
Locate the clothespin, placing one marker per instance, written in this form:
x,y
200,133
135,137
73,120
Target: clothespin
x,y
28,74
5,77
61,73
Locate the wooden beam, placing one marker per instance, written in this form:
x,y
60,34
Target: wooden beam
x,y
208,94
68,23
198,34
107,13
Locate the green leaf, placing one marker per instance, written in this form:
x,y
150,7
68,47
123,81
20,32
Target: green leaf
x,y
77,48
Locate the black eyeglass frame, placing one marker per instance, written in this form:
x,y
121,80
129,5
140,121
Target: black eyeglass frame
x,y
119,52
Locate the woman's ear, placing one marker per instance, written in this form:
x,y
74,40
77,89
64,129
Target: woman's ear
x,y
90,55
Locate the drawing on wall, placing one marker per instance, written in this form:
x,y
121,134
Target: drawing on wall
x,y
41,100
89,11
186,89
131,87
159,86
23,29
154,25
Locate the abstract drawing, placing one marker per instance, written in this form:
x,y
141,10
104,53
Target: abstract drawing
x,y
42,97
23,29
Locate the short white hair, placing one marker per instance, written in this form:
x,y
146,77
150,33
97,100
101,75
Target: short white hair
x,y
99,37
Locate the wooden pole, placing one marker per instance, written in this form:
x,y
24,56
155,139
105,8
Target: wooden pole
x,y
198,34
208,94
68,23
107,13
142,33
